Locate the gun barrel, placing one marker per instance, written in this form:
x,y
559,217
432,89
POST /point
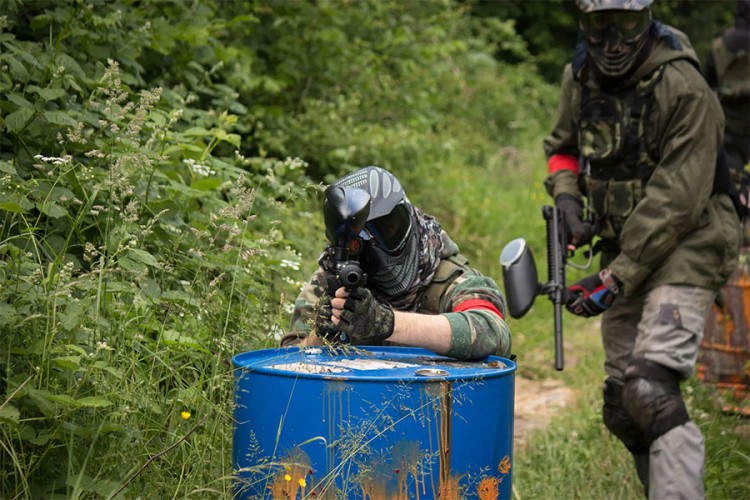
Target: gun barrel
x,y
556,253
350,275
559,361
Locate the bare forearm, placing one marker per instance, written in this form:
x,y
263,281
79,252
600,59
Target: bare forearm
x,y
429,331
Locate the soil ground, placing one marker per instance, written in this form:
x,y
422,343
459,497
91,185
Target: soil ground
x,y
536,402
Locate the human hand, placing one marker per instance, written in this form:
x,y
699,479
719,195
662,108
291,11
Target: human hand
x,y
593,294
571,207
364,319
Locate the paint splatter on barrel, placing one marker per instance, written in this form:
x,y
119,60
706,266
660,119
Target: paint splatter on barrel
x,y
371,423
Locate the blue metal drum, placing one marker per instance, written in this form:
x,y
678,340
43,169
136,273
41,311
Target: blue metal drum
x,y
377,422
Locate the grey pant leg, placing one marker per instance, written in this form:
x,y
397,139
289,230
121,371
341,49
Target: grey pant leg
x,y
671,326
669,334
676,465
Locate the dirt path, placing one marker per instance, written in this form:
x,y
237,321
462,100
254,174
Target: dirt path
x,y
536,402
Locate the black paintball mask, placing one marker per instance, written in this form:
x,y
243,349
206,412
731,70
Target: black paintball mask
x,y
387,247
617,39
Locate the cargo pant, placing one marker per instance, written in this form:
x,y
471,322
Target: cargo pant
x,y
664,326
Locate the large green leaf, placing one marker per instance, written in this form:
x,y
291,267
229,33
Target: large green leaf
x,y
142,256
71,363
19,100
206,184
9,414
93,402
59,118
17,120
11,206
17,70
53,210
48,94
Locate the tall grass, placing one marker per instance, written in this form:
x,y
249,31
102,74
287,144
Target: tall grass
x,y
133,269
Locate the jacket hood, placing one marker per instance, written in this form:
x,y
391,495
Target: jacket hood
x,y
669,44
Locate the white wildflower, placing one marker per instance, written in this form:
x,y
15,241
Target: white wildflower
x,y
198,168
291,264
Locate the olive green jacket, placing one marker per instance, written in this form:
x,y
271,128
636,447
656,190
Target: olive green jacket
x,y
678,233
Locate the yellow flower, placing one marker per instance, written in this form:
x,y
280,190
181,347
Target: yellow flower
x,y
302,482
185,415
287,477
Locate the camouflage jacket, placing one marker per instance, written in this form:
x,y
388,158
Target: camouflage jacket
x,y
675,230
475,332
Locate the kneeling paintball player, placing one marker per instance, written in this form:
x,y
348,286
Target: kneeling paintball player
x,y
392,276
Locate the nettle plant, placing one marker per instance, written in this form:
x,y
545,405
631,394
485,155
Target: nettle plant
x,y
133,265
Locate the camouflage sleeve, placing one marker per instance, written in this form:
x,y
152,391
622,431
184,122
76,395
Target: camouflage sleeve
x,y
563,140
304,309
476,331
564,136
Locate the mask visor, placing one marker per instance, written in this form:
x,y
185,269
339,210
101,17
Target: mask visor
x,y
390,231
627,23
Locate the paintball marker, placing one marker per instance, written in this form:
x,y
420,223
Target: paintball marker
x,y
345,212
520,274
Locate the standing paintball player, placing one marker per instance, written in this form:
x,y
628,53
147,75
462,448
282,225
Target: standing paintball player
x,y
637,137
419,290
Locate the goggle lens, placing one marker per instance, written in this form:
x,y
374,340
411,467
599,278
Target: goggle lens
x,y
627,23
390,231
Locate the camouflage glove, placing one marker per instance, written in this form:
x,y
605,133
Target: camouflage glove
x,y
571,207
365,320
322,324
593,294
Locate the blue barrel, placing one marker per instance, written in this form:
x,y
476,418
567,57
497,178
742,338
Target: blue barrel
x,y
377,422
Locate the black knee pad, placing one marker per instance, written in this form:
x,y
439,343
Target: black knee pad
x,y
618,421
652,398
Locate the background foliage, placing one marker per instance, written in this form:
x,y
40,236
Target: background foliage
x,y
160,164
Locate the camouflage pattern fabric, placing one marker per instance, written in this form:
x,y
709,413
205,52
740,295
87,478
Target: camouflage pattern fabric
x,y
602,132
475,333
365,320
586,6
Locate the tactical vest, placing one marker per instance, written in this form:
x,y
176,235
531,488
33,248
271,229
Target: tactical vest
x,y
620,154
448,270
618,151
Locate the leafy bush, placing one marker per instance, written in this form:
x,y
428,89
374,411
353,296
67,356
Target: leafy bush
x,y
133,262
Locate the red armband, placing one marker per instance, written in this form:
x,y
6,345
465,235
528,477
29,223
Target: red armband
x,y
473,304
562,162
